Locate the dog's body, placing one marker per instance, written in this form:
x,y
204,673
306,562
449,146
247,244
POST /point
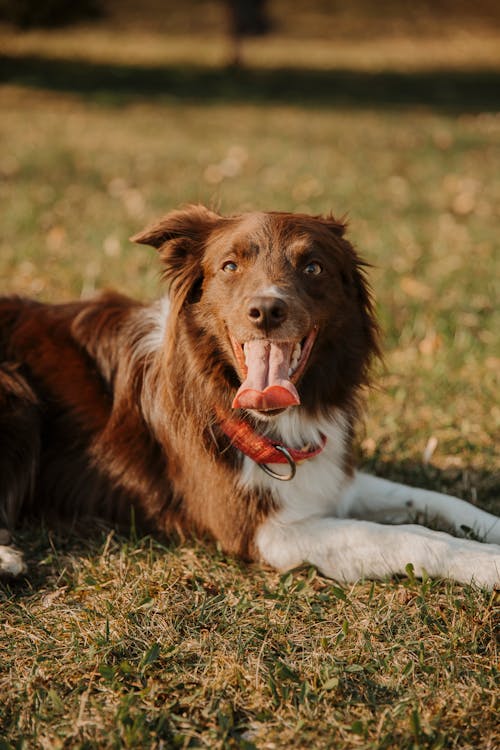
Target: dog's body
x,y
254,361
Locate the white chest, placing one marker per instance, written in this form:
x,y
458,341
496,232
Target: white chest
x,y
319,482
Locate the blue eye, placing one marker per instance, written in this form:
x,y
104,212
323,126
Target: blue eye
x,y
230,266
313,268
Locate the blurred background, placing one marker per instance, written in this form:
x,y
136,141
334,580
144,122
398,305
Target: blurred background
x,y
113,112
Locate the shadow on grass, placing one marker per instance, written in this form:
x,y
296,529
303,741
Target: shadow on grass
x,y
460,482
50,551
450,90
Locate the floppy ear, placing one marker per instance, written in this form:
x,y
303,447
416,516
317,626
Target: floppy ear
x,y
356,284
359,286
188,223
180,238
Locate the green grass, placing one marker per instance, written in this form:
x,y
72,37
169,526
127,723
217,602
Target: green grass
x,y
125,643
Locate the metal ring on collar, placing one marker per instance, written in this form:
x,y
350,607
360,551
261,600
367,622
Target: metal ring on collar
x,y
291,463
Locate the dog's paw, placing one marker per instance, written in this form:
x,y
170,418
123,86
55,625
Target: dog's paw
x,y
11,562
478,564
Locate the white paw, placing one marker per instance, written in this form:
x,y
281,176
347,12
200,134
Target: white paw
x,y
11,562
477,563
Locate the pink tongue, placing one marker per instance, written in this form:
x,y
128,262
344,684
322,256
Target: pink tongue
x,y
267,385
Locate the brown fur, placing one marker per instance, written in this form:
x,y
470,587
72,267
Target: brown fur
x,y
96,419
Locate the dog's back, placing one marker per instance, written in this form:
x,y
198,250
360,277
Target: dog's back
x,y
58,366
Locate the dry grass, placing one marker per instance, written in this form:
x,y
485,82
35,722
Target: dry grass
x,y
125,643
478,49
129,644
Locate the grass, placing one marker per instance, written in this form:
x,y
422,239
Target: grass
x,y
123,642
130,644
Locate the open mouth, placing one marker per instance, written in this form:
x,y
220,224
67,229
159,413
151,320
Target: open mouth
x,y
269,370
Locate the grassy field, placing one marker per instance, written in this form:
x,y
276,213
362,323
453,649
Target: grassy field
x,y
123,642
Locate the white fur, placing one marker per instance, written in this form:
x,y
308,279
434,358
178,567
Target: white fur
x,y
348,550
152,324
316,523
319,482
11,562
271,291
378,499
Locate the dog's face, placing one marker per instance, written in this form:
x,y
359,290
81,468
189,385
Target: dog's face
x,y
282,298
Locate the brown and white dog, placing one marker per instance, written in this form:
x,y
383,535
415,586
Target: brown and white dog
x,y
226,409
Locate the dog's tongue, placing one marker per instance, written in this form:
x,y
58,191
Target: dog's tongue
x,y
267,385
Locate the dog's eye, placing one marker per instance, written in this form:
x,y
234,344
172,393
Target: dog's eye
x,y
313,268
230,266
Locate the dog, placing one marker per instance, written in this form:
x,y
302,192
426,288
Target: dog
x,y
225,410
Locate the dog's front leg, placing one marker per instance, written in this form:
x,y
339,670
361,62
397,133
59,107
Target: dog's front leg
x,y
11,562
349,550
373,498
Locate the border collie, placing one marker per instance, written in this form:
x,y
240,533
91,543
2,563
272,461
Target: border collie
x,y
226,409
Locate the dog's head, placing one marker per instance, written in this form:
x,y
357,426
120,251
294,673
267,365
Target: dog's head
x,y
282,298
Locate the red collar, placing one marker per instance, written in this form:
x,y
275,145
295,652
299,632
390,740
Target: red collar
x,y
261,449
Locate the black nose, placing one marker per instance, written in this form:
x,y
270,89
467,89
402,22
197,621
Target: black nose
x,y
267,312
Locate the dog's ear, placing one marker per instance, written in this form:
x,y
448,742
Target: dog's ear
x,y
189,223
352,272
358,288
180,238
336,226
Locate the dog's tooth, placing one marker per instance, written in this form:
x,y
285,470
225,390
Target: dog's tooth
x,y
293,364
296,351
